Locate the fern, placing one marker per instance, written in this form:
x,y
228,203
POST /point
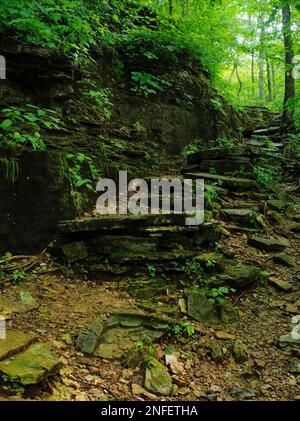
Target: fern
x,y
9,168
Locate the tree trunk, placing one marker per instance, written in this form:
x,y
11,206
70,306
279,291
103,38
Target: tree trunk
x,y
270,96
289,93
171,7
239,80
261,60
252,74
261,74
274,84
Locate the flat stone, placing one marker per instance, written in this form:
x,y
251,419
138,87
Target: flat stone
x,y
269,244
242,216
231,183
9,307
218,153
14,343
199,306
292,308
277,204
285,259
294,367
289,342
27,299
224,336
87,341
32,365
119,222
238,276
123,331
157,378
211,261
279,283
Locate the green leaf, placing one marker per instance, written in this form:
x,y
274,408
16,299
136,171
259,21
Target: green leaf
x,y
6,124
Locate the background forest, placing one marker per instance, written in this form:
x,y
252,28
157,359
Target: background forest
x,y
245,46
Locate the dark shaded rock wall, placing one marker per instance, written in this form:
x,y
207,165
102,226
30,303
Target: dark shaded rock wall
x,y
186,109
31,207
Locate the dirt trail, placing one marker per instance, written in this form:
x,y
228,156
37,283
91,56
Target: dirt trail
x,y
67,305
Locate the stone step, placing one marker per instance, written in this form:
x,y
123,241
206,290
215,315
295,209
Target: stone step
x,y
235,153
14,343
240,216
269,244
129,244
221,166
118,222
230,183
31,366
267,131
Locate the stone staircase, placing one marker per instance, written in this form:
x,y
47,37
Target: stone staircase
x,y
123,244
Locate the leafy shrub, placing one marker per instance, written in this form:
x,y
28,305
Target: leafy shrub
x,y
76,171
165,46
191,148
102,99
147,84
183,330
21,127
69,25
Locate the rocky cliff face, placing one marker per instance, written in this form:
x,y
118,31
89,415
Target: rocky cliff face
x,y
143,135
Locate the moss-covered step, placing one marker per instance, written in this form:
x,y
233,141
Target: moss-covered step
x,y
221,166
114,244
120,335
230,183
240,216
269,244
31,366
238,276
14,343
218,154
118,222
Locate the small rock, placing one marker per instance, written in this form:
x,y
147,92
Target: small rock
x,y
157,378
199,306
216,353
214,388
224,336
292,308
176,366
294,367
87,341
279,283
245,393
27,299
211,261
239,351
238,276
259,363
138,390
285,259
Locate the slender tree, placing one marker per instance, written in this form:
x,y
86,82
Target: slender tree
x,y
289,87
